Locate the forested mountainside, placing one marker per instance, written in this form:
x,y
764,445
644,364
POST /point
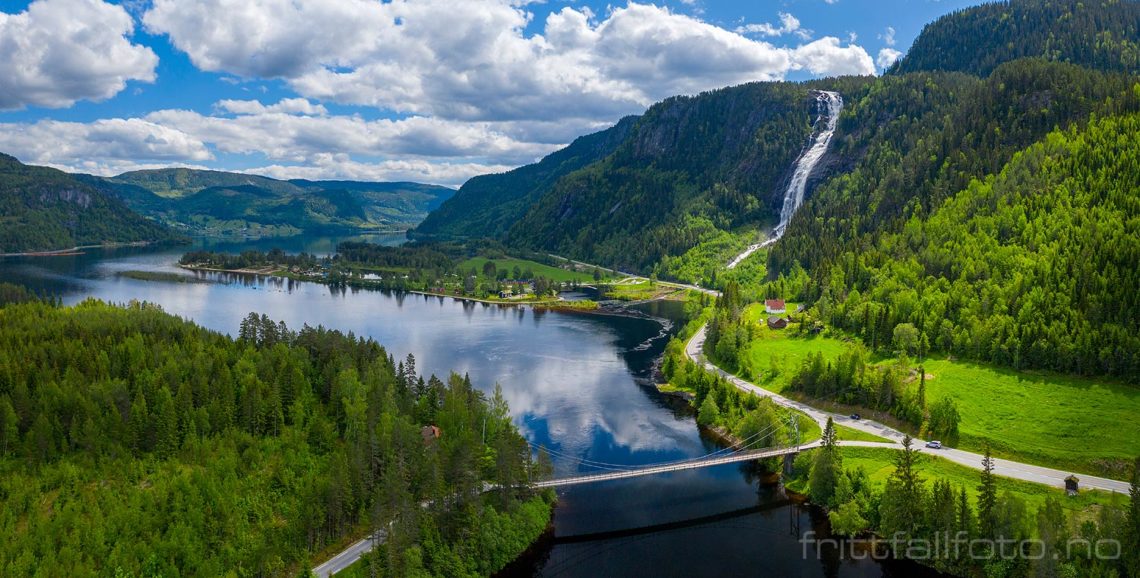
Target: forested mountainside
x,y
914,140
220,203
1037,266
1099,34
688,167
134,443
487,205
45,209
693,168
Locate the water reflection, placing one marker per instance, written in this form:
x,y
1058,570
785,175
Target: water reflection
x,y
577,383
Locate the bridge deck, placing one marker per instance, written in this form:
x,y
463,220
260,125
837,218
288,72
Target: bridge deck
x,y
675,467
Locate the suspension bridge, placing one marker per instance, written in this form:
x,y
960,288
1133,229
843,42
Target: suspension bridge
x,y
692,464
757,446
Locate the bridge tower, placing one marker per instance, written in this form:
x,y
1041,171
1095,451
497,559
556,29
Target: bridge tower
x,y
789,459
789,463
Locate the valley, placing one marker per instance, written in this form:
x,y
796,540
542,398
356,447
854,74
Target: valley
x,y
748,300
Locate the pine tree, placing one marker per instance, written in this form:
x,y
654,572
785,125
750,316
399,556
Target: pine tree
x,y
9,426
1131,547
904,497
988,523
921,390
829,439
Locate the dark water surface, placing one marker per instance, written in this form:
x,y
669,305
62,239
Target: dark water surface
x,y
577,383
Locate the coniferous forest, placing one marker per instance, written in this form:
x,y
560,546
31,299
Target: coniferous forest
x,y
134,443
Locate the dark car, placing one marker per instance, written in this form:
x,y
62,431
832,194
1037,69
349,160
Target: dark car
x,y
856,416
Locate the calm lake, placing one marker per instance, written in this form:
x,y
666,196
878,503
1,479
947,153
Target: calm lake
x,y
577,383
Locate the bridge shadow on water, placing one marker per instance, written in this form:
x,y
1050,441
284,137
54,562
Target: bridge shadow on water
x,y
670,526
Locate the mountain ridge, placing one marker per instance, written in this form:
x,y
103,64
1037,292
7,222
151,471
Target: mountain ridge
x,y
221,203
44,209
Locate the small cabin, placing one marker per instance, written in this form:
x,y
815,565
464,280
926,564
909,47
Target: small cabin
x,y
775,307
1072,485
430,433
777,323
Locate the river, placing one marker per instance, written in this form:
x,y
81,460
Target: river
x,y
578,383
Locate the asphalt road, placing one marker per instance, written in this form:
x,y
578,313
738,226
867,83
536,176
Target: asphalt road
x,y
345,558
1002,467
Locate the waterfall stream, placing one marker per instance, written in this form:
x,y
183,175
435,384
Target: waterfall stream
x,y
830,104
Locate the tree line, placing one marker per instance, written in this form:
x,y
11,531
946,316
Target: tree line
x,y
909,510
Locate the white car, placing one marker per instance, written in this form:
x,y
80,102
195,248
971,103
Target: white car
x,y
934,444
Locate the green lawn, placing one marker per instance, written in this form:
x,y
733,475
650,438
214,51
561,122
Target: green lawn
x,y
1087,425
552,273
777,354
636,291
879,464
1080,423
853,435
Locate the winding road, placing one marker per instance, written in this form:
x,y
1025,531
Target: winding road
x,y
693,350
1002,467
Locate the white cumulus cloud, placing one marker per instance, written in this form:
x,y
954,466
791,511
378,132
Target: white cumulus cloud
x,y
887,57
58,143
475,60
827,57
788,25
58,52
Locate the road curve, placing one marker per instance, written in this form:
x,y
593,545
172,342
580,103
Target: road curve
x,y
346,558
1002,467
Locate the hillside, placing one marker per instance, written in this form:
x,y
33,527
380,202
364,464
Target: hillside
x,y
660,183
1103,35
1035,267
681,189
487,205
221,203
44,209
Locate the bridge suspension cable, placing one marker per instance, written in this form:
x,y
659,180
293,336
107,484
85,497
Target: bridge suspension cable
x,y
744,446
627,467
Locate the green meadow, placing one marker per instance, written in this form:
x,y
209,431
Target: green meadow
x,y
540,270
853,435
1087,425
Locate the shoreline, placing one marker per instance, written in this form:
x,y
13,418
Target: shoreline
x,y
555,304
78,249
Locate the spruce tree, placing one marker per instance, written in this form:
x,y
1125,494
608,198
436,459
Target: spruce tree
x,y
987,498
1131,547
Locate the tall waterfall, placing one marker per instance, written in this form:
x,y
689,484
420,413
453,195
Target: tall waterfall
x,y
829,104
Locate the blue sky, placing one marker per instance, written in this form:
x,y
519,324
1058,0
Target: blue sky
x,y
427,90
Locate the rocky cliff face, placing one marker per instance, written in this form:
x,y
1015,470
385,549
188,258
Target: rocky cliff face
x,y
44,209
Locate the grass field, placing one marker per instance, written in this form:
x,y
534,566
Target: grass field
x,y
776,354
552,273
879,464
853,435
635,291
1083,424
1086,424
